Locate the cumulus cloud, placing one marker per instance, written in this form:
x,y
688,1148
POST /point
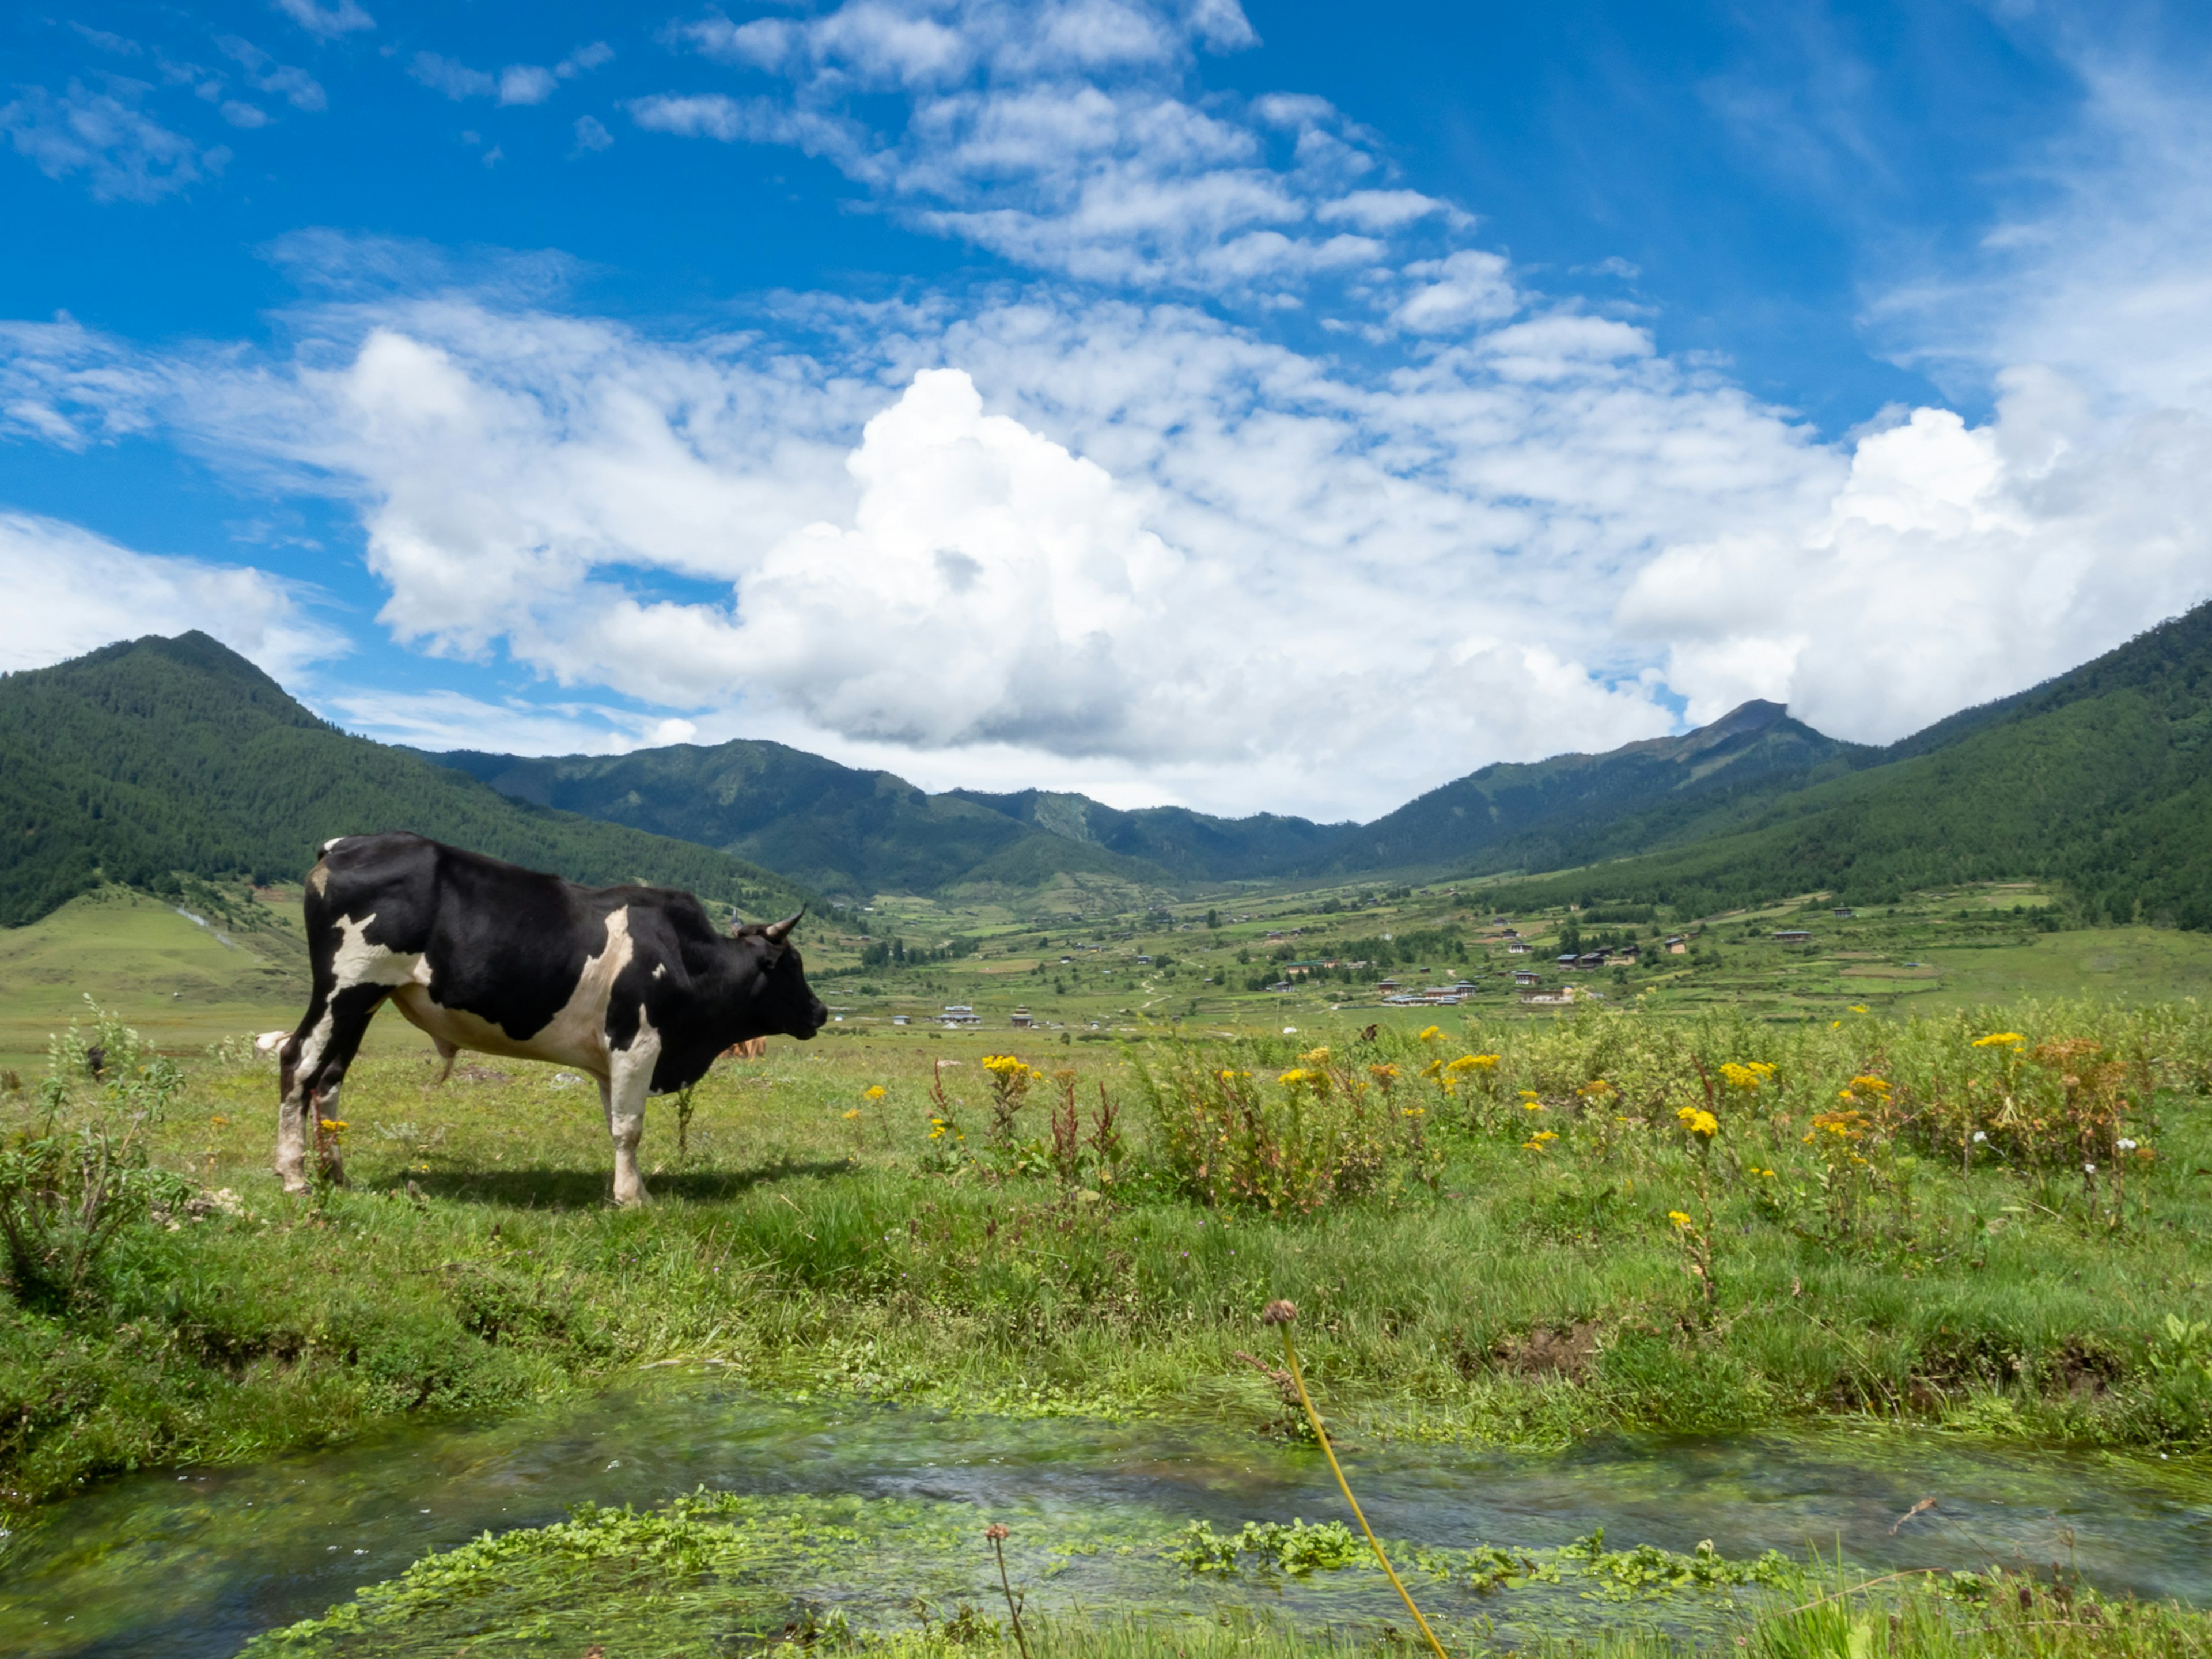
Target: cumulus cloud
x,y
124,154
70,591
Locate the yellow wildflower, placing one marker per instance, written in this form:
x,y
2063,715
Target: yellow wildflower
x,y
1540,1142
335,1126
1858,1007
1295,1076
873,1092
1746,1077
1697,1121
1315,1057
1996,1037
1007,1065
1383,1073
854,1113
1677,1218
1432,1033
1474,1062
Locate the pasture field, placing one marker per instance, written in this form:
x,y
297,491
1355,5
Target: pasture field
x,y
241,967
1513,1229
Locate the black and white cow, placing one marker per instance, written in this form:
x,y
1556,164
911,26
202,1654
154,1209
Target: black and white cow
x,y
633,985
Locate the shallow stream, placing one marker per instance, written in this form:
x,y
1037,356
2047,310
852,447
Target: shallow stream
x,y
195,1562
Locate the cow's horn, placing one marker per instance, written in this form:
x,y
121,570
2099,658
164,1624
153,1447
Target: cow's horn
x,y
777,932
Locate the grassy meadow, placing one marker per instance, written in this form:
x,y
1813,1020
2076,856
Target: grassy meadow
x,y
1508,1230
1754,1185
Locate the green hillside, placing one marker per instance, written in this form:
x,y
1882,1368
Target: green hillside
x,y
156,756
2099,780
1570,809
852,831
833,827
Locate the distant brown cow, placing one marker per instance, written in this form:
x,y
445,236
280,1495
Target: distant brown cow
x,y
751,1049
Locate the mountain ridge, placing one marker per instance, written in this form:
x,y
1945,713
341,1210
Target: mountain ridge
x,y
156,755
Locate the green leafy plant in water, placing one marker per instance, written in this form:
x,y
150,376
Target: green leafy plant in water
x,y
81,1171
1297,1549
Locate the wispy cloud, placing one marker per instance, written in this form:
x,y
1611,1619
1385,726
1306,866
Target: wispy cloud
x,y
122,153
326,21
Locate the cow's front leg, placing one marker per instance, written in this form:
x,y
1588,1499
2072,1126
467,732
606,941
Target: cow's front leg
x,y
625,1095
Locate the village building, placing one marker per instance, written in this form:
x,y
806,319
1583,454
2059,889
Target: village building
x,y
1518,948
1845,913
1792,936
959,1014
1525,976
1676,945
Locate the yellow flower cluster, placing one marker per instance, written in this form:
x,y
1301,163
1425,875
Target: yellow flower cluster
x,y
1432,1033
941,1126
1473,1063
335,1126
1697,1121
873,1092
1541,1140
1596,1089
1383,1073
1314,1057
1677,1218
1006,1066
1996,1037
1295,1076
854,1113
1746,1077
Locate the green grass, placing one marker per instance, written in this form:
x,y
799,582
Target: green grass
x,y
812,1239
185,984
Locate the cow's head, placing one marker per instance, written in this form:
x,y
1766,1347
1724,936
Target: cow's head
x,y
782,1002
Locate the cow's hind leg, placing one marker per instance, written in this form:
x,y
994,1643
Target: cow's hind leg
x,y
315,1059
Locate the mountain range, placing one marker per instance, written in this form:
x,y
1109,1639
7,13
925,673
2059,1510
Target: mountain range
x,y
161,755
844,830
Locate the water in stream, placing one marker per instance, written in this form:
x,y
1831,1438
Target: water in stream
x,y
195,1562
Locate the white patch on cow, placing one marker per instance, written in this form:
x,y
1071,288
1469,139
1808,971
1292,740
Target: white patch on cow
x,y
577,1035
359,963
660,970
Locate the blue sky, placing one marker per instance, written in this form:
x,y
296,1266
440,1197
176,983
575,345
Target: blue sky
x,y
1169,400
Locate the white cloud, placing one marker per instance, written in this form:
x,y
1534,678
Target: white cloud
x,y
326,22
123,153
526,83
443,721
244,115
70,591
1063,137
1467,287
591,135
518,83
296,86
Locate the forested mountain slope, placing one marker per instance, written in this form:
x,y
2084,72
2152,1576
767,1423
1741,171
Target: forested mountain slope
x,y
847,831
2100,779
155,755
1539,816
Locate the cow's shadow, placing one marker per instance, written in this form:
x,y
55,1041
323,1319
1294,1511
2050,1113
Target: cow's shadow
x,y
586,1189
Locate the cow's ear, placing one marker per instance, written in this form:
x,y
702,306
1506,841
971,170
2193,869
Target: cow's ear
x,y
777,932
